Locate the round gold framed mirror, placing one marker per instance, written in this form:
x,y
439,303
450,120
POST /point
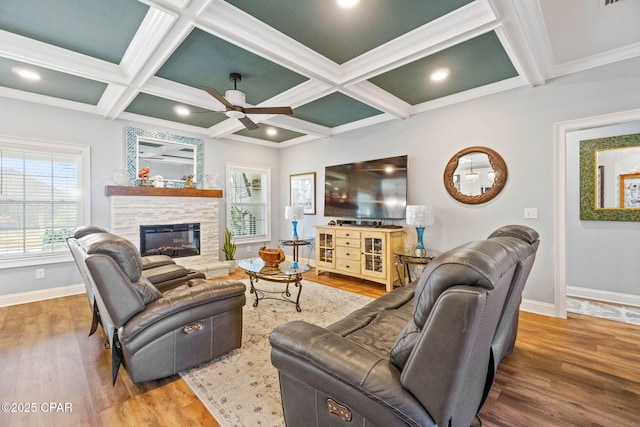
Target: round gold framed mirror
x,y
475,175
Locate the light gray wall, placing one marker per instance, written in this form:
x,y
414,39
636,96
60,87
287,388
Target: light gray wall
x,y
519,125
106,138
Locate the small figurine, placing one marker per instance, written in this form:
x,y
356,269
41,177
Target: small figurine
x,y
158,181
188,181
143,174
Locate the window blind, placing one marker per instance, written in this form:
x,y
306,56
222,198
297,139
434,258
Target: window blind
x,y
39,201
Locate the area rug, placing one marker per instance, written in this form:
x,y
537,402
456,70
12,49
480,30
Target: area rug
x,y
241,388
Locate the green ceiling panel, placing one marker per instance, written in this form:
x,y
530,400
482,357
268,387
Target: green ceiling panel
x,y
282,135
160,108
343,34
474,63
335,110
52,83
205,60
102,29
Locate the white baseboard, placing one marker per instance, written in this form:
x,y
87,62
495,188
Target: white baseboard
x,y
44,294
538,307
604,296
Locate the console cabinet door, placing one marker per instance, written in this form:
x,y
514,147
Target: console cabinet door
x,y
374,255
326,250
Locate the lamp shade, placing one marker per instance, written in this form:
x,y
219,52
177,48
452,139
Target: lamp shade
x,y
420,215
294,213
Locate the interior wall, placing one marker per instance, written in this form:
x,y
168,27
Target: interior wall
x,y
602,256
519,125
106,139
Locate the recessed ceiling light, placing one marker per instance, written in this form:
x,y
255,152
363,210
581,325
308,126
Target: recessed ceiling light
x,y
440,74
347,3
272,132
181,110
26,74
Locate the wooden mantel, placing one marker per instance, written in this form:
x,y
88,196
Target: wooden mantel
x,y
117,190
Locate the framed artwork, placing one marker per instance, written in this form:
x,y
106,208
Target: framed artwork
x,y
303,191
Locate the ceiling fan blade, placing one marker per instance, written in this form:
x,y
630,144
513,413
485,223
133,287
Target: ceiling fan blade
x,y
268,110
248,123
211,91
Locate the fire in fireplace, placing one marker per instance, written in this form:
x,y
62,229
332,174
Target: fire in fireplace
x,y
174,240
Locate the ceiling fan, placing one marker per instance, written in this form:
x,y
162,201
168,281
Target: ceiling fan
x,y
234,101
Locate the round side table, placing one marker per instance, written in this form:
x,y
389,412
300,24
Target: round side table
x,y
405,259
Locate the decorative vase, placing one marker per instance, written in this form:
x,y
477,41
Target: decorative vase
x,y
231,265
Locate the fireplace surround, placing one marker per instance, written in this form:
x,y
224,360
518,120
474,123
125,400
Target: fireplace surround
x,y
132,207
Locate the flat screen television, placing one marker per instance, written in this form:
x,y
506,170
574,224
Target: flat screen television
x,y
372,189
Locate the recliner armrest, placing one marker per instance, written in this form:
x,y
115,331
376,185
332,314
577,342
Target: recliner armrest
x,y
180,305
344,361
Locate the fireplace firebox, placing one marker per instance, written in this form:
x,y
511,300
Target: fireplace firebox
x,y
174,240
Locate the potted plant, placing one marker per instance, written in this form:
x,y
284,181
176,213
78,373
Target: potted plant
x,y
229,249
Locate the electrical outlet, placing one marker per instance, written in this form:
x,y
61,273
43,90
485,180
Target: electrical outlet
x,y
530,213
40,273
248,249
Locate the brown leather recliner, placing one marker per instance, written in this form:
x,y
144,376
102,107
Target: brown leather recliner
x,y
155,333
421,355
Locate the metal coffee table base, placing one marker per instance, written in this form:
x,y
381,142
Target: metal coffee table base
x,y
284,296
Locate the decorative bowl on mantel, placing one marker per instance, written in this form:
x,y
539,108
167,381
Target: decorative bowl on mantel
x,y
271,257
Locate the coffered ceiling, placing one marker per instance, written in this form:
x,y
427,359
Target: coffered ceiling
x,y
338,68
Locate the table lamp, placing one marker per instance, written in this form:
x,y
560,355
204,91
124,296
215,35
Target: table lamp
x,y
295,214
420,216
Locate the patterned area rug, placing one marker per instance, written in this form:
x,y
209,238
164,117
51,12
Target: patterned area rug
x,y
241,388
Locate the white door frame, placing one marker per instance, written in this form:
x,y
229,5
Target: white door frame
x,y
561,130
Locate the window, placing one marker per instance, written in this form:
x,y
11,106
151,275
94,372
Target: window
x,y
41,199
248,207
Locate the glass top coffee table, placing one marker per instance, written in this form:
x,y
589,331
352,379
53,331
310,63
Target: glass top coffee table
x,y
286,272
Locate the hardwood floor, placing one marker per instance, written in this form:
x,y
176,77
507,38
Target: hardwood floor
x,y
582,371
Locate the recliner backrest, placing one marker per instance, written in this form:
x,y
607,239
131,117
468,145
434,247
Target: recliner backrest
x,y
123,252
457,305
525,242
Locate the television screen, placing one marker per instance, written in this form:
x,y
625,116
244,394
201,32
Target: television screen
x,y
373,189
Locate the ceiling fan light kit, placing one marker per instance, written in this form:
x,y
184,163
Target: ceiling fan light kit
x,y
234,101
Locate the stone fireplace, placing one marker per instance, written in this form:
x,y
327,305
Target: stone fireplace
x,y
133,207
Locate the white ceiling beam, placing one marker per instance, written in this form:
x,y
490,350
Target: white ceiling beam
x,y
369,121
470,94
379,98
37,53
249,33
46,100
524,38
159,49
302,126
304,93
460,25
225,128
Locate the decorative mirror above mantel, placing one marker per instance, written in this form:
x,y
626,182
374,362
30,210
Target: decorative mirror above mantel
x,y
173,157
610,178
475,175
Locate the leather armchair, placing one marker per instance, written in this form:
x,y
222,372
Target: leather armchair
x,y
161,270
418,356
155,333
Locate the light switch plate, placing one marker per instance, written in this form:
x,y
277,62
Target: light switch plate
x,y
530,213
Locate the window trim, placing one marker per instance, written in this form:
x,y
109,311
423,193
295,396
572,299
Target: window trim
x,y
84,191
267,196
